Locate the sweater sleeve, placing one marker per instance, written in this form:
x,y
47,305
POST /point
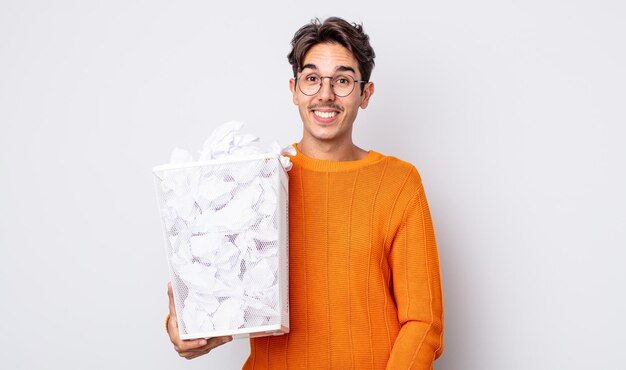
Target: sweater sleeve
x,y
417,289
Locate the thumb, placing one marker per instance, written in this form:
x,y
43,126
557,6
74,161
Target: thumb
x,y
170,294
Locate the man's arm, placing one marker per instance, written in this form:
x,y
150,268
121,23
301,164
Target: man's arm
x,y
417,289
189,349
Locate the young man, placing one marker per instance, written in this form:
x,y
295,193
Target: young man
x,y
365,289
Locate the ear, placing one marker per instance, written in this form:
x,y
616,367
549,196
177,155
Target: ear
x,y
368,91
292,87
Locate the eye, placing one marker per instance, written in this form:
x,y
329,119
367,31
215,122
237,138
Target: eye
x,y
312,79
342,81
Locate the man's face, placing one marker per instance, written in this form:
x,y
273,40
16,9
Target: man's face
x,y
327,117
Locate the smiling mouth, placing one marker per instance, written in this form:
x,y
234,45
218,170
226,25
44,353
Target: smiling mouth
x,y
325,115
325,112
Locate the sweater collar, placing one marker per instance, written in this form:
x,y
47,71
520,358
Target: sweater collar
x,y
300,160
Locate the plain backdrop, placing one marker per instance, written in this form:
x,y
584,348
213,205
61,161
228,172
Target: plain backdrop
x,y
513,111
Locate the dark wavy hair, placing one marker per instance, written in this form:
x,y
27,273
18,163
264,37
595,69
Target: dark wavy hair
x,y
333,30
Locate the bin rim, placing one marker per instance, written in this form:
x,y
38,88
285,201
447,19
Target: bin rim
x,y
176,166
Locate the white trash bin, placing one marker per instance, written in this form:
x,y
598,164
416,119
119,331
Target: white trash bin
x,y
226,232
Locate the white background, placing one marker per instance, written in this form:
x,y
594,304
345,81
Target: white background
x,y
513,111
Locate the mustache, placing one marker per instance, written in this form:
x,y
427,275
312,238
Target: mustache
x,y
330,106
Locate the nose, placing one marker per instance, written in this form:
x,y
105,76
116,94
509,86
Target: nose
x,y
326,90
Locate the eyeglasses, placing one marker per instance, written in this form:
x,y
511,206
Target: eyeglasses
x,y
342,85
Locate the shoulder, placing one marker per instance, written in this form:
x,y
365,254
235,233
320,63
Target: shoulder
x,y
396,167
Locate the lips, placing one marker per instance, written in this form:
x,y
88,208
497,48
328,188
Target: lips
x,y
325,113
324,117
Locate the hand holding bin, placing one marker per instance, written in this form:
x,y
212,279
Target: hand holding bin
x,y
226,229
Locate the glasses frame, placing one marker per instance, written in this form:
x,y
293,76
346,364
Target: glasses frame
x,y
332,87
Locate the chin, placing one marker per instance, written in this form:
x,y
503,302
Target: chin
x,y
326,137
323,133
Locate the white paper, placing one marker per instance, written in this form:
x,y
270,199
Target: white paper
x,y
221,223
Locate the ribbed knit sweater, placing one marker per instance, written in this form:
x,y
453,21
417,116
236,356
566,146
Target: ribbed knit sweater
x,y
364,282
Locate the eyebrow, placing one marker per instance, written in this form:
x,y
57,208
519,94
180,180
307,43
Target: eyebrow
x,y
338,69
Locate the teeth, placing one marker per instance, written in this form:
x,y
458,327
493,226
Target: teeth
x,y
325,114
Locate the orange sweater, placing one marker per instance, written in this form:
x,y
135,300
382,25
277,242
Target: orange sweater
x,y
365,290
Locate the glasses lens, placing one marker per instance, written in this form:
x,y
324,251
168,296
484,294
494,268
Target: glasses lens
x,y
343,85
310,84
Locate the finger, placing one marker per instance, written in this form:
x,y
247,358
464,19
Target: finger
x,y
193,354
170,294
198,354
212,343
218,341
190,345
172,323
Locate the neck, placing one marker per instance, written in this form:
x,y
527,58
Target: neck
x,y
330,151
